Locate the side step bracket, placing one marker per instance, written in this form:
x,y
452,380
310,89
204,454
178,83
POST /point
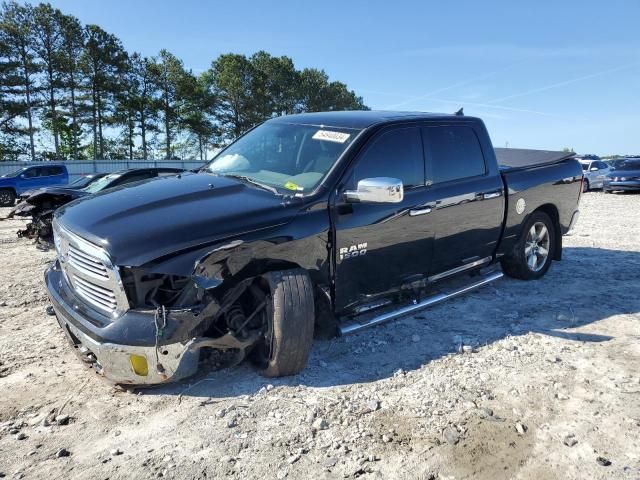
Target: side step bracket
x,y
427,302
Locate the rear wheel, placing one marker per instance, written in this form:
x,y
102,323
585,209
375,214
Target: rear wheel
x,y
532,255
286,343
7,198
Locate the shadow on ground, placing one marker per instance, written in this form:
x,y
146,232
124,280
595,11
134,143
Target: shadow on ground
x,y
567,298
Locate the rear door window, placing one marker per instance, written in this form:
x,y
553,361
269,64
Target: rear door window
x,y
453,152
395,153
51,171
33,172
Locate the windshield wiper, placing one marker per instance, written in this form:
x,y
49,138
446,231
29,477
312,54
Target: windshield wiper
x,y
244,178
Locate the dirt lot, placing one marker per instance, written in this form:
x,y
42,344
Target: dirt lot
x,y
523,380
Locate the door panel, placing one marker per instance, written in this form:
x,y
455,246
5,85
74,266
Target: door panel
x,y
468,195
379,246
32,178
467,222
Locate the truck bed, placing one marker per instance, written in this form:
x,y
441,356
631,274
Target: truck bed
x,y
510,159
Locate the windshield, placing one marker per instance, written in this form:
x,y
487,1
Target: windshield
x,y
629,165
101,183
14,173
83,181
585,166
288,157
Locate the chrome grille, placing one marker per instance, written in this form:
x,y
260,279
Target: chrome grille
x,y
86,263
89,272
99,296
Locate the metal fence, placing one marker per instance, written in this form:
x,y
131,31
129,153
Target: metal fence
x,y
77,168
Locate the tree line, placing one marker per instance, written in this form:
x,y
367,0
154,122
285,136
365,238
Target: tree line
x,y
72,91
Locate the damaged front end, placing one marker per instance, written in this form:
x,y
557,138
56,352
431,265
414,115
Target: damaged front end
x,y
39,209
137,327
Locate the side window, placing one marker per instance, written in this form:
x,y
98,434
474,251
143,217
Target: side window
x,y
50,171
33,172
397,154
602,165
453,152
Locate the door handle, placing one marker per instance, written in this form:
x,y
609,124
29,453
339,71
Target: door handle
x,y
419,211
487,196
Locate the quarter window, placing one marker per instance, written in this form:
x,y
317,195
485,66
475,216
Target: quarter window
x,y
396,154
453,152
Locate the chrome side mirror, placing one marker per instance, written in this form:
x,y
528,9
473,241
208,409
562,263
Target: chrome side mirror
x,y
376,190
594,169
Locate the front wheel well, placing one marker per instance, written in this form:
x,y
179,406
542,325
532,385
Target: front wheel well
x,y
551,210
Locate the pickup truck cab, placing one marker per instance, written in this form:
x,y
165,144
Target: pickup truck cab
x,y
14,184
336,220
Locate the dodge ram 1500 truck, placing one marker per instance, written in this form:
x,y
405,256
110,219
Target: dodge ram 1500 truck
x,y
336,220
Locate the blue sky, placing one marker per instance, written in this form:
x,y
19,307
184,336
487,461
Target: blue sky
x,y
542,75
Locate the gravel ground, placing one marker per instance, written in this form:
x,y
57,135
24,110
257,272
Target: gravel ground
x,y
528,380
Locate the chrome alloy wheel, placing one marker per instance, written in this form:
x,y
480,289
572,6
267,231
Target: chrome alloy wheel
x,y
536,246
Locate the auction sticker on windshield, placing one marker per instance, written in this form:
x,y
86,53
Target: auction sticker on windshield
x,y
330,136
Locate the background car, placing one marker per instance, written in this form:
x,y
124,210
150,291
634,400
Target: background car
x,y
625,177
595,172
80,183
41,205
13,184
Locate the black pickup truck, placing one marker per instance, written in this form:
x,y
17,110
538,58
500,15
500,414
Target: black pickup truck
x,y
323,221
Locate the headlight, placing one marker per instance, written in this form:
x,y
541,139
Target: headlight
x,y
56,239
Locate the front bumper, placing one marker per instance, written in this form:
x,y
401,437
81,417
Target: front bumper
x,y
167,362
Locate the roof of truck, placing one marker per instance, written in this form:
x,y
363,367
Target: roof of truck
x,y
359,118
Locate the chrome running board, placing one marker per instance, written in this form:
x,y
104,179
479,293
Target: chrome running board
x,y
427,302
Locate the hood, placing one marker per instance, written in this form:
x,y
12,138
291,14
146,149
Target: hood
x,y
71,192
140,222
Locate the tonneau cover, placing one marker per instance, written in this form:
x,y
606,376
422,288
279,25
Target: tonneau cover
x,y
516,158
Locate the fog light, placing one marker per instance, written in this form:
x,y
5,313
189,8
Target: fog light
x,y
139,365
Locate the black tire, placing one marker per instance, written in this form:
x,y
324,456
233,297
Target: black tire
x,y
7,198
607,191
585,186
291,316
515,264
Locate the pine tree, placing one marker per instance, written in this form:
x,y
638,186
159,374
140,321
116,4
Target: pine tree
x,y
171,82
73,37
142,99
47,43
103,58
16,35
